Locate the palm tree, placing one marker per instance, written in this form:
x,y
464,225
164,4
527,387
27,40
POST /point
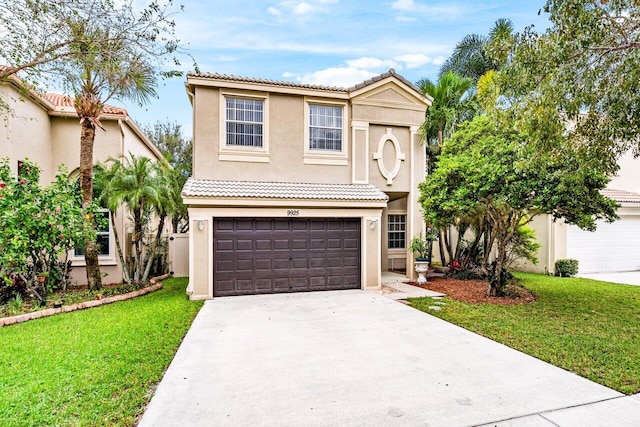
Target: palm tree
x,y
450,107
476,54
99,77
165,207
141,185
104,176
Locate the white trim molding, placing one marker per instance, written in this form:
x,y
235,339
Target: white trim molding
x,y
379,156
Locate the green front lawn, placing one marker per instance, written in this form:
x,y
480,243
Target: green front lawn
x,y
92,367
588,327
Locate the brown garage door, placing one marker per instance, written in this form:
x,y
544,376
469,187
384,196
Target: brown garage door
x,y
270,255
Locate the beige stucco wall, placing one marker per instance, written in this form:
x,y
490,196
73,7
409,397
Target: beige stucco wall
x,y
628,176
286,144
26,133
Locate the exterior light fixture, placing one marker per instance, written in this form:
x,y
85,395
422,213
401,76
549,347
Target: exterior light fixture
x,y
200,225
373,224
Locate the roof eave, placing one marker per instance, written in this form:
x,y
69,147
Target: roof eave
x,y
214,201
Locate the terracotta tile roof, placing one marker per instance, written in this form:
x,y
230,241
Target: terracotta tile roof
x,y
66,101
281,190
622,196
229,77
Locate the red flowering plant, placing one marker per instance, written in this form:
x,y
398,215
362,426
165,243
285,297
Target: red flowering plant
x,y
40,225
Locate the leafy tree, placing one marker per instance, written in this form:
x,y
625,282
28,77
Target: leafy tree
x,y
489,167
143,186
100,50
39,228
178,151
584,70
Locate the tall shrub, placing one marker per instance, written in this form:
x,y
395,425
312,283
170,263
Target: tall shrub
x,y
40,225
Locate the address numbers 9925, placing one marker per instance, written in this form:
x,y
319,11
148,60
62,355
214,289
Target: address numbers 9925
x,y
293,212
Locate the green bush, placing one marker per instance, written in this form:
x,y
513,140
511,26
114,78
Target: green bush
x,y
566,267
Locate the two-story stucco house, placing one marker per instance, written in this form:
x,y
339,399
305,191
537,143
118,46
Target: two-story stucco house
x,y
301,187
613,247
45,129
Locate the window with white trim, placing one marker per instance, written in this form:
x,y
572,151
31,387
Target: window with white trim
x,y
103,235
244,122
325,127
396,231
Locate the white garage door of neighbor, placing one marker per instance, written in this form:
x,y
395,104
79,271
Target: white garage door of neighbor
x,y
612,247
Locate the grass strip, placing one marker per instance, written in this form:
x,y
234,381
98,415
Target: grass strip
x,y
585,326
92,367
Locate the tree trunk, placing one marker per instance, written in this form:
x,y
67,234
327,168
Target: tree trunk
x,y
447,243
497,280
443,259
87,137
137,231
154,248
175,221
116,236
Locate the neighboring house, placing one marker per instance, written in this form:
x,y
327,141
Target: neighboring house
x,y
612,247
301,187
45,129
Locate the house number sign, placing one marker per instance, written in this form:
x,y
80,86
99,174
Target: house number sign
x,y
293,212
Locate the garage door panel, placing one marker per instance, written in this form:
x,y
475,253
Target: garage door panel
x,y
263,244
224,266
285,255
264,284
264,264
612,247
263,225
224,245
244,266
244,245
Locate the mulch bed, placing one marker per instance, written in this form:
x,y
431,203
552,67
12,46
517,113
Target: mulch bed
x,y
476,291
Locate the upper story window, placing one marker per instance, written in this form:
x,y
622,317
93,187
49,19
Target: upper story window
x,y
325,132
244,127
325,127
244,122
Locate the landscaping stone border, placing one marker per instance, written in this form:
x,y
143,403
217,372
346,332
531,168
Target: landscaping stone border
x,y
6,321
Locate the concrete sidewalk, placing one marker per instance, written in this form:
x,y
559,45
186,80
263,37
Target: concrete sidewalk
x,y
360,359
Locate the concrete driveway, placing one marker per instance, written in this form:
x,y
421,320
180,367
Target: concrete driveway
x,y
359,358
625,277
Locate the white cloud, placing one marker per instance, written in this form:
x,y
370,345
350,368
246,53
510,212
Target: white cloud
x,y
414,60
403,5
368,63
439,60
273,11
337,76
289,75
404,18
302,8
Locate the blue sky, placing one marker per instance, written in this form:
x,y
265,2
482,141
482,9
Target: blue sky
x,y
331,42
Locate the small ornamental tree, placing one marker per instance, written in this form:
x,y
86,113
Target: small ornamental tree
x,y
39,227
488,168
